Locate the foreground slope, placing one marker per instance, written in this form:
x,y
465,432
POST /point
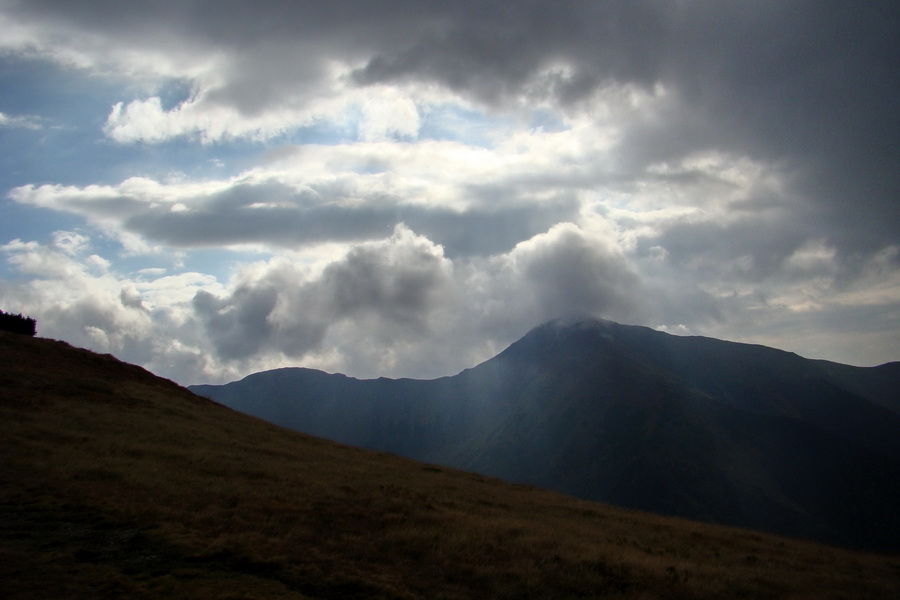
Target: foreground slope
x,y
114,483
688,426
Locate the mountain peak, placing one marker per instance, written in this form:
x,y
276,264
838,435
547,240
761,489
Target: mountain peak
x,y
565,336
577,322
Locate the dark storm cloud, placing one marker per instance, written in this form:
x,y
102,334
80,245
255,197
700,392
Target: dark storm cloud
x,y
493,49
810,84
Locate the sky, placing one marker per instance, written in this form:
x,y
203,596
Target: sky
x,y
404,188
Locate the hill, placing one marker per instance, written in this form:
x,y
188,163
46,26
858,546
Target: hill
x,y
694,427
115,483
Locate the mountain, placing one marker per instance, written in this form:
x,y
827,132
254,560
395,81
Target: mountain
x,y
117,484
693,427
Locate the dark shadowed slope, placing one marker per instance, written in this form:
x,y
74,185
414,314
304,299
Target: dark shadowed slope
x,y
689,426
117,484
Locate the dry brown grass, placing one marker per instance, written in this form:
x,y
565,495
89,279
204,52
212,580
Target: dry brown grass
x,y
118,484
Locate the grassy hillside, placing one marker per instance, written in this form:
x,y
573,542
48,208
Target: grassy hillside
x,y
114,483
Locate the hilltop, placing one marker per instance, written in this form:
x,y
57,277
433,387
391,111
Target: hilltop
x,y
115,483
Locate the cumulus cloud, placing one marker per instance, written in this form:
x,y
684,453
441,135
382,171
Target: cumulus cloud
x,y
279,305
573,274
74,295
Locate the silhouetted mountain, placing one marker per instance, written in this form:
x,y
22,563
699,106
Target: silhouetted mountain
x,y
695,427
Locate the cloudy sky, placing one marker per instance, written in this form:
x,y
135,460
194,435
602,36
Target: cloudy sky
x,y
403,188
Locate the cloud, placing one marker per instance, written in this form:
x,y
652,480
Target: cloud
x,y
23,121
568,272
469,201
389,115
71,243
416,171
396,278
76,296
377,307
280,306
145,120
805,84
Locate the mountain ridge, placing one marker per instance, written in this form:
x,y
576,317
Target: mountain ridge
x,y
726,432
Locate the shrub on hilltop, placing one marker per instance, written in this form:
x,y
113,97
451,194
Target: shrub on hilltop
x,y
17,324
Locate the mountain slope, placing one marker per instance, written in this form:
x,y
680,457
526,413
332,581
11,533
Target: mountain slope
x,y
688,426
115,484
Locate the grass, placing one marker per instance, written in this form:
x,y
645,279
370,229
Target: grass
x,y
114,483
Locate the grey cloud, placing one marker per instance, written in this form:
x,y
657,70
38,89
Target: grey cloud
x,y
565,271
384,301
295,218
92,320
484,232
753,250
399,287
808,84
131,299
289,218
575,275
268,53
493,50
237,325
711,245
399,280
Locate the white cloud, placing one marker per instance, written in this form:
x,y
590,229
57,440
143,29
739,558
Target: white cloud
x,y
78,298
22,121
344,192
70,242
141,120
814,256
146,121
388,114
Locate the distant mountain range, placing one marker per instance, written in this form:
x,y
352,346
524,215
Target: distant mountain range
x,y
694,427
